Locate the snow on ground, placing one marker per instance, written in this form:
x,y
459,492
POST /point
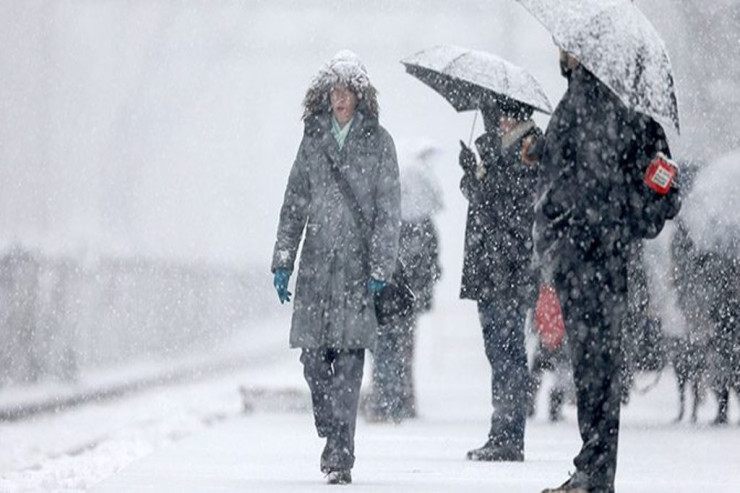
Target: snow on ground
x,y
72,450
194,437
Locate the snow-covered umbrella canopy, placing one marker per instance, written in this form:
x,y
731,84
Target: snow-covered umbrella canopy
x,y
469,79
710,210
615,42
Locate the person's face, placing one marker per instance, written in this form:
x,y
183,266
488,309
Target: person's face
x,y
343,104
567,63
507,124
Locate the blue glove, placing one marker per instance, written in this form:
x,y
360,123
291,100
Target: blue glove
x,y
375,285
280,281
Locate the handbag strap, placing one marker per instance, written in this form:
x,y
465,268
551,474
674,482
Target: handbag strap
x,y
354,205
349,196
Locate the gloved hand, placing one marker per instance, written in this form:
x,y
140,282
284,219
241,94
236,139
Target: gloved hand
x,y
375,285
280,281
467,159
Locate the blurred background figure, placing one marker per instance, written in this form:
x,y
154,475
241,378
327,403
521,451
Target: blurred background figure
x,y
687,346
713,228
643,345
553,358
392,397
723,274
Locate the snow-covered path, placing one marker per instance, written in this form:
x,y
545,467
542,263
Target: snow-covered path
x,y
274,451
194,437
279,453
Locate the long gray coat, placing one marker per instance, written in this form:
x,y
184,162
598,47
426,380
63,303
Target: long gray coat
x,y
332,305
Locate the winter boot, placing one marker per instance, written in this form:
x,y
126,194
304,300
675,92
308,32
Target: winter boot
x,y
578,483
491,452
340,476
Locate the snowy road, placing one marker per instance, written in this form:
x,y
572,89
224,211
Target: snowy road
x,y
194,437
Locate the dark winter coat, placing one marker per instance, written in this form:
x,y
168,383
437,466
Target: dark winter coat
x,y
591,194
419,251
498,231
332,305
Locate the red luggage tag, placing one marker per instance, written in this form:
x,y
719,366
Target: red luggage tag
x,y
660,173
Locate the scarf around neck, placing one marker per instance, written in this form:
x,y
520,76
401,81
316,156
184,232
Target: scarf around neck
x,y
340,133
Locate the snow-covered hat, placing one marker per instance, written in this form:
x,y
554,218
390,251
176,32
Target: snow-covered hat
x,y
344,70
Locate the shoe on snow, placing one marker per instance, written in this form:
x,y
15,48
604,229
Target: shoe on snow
x,y
577,483
496,453
341,476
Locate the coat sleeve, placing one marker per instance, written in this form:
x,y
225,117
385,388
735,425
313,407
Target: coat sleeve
x,y
387,221
293,213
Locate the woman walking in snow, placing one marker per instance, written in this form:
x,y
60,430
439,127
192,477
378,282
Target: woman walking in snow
x,y
344,194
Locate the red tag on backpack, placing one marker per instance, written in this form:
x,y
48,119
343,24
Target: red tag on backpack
x,y
660,173
548,318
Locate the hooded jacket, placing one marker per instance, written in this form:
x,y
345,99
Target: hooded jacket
x,y
332,305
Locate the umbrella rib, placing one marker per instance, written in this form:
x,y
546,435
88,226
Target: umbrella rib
x,y
449,64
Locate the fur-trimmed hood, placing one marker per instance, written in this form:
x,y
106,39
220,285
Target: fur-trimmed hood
x,y
344,69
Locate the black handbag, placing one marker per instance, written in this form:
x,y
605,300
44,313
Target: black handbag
x,y
397,299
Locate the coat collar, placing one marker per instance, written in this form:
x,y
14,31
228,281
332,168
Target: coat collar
x,y
318,126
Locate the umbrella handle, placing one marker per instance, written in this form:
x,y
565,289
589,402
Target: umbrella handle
x,y
472,130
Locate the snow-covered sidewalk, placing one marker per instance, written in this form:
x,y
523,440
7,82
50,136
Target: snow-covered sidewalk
x,y
272,450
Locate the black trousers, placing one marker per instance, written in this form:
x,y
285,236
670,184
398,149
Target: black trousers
x,y
334,377
593,295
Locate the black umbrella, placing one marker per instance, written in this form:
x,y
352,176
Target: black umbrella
x,y
469,79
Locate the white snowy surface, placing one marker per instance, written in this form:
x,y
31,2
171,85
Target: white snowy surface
x,y
194,437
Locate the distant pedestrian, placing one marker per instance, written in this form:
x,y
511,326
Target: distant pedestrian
x,y
342,265
392,398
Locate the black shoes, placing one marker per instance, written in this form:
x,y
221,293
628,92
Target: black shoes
x,y
496,453
341,476
579,483
336,462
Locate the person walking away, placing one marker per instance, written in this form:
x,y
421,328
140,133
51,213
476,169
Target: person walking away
x,y
592,203
497,264
333,314
392,398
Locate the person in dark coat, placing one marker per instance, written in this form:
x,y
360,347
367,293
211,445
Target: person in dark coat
x,y
497,265
592,203
334,317
392,398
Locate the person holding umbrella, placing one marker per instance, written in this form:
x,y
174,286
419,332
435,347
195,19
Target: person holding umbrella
x,y
497,271
498,239
342,263
595,198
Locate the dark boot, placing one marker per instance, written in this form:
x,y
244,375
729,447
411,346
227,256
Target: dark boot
x,y
578,483
491,452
